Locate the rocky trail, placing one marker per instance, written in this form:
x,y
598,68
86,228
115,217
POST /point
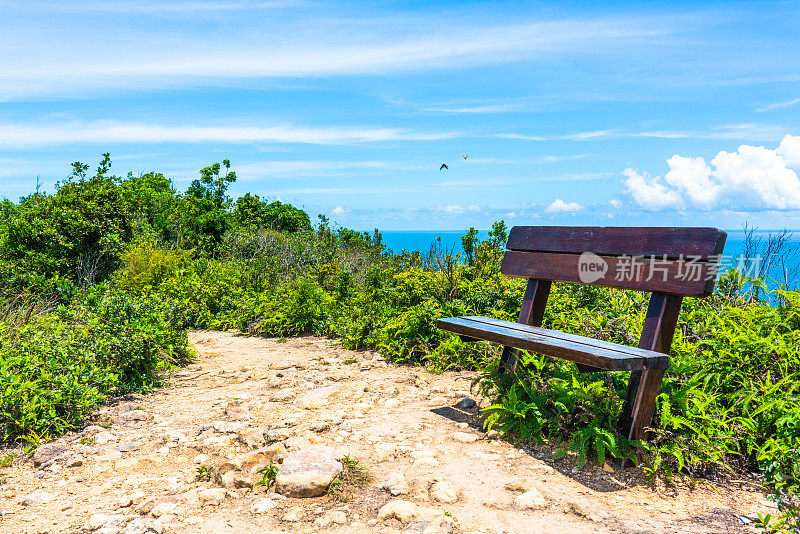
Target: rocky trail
x,y
305,404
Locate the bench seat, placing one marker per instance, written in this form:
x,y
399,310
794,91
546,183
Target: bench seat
x,y
585,351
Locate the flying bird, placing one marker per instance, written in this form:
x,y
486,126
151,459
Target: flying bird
x,y
465,156
444,166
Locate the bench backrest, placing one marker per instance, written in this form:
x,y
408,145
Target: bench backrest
x,y
675,261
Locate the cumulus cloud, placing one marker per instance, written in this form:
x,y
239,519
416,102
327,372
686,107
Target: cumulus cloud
x,y
559,206
338,210
752,178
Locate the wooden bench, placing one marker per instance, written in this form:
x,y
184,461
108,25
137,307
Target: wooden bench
x,y
672,263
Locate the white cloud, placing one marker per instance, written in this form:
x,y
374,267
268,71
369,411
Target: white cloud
x,y
457,208
648,192
559,206
511,215
86,50
778,105
615,203
105,132
338,210
752,178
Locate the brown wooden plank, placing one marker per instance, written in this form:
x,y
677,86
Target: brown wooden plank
x,y
568,350
654,359
531,312
674,277
616,241
657,333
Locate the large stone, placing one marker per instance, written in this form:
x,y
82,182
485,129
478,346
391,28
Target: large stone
x,y
444,491
37,498
403,511
212,495
163,508
465,437
316,398
240,472
396,483
466,404
307,473
144,526
252,437
97,521
134,415
47,452
530,500
264,505
227,427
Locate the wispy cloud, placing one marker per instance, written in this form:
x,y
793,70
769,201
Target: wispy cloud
x,y
93,54
778,105
747,131
111,132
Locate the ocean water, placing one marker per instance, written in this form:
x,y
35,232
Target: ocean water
x,y
450,240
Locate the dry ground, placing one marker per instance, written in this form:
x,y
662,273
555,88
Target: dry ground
x,y
389,418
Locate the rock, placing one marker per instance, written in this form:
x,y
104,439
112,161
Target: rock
x,y
127,447
316,398
338,517
212,495
464,437
295,513
142,525
240,472
75,461
37,498
252,437
217,443
101,438
392,403
530,500
200,459
146,506
403,511
396,483
307,473
444,491
426,461
97,521
173,436
47,452
264,505
278,434
225,427
466,404
607,468
124,502
516,486
134,415
583,510
163,508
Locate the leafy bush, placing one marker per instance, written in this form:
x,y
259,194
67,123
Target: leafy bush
x,y
57,368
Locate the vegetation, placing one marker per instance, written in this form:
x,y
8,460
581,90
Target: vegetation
x,y
101,279
352,477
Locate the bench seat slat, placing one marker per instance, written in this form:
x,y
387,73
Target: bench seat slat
x,y
579,349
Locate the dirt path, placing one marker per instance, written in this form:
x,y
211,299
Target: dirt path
x,y
135,469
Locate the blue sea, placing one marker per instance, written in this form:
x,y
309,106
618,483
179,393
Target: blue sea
x,y
450,240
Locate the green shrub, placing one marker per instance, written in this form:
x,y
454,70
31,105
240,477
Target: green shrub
x,y
57,368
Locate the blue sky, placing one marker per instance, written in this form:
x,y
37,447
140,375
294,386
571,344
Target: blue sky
x,y
627,113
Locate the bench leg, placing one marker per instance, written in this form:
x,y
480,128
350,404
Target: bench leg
x,y
657,331
640,404
508,361
531,312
